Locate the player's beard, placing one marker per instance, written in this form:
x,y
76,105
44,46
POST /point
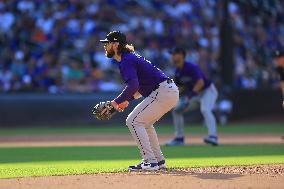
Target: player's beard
x,y
110,53
178,63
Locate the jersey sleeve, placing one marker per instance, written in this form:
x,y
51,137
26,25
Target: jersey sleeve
x,y
196,73
128,71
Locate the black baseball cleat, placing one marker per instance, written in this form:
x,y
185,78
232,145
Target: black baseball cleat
x,y
144,166
162,164
213,140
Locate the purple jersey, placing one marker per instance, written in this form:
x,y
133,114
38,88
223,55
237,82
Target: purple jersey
x,y
139,74
188,76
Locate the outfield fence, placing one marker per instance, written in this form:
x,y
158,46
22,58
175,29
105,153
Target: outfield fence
x,y
75,109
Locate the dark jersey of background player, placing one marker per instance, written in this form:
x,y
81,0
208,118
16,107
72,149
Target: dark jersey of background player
x,y
139,74
187,76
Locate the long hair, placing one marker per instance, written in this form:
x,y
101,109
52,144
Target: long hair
x,y
123,48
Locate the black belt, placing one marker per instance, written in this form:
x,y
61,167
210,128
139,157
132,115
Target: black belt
x,y
168,81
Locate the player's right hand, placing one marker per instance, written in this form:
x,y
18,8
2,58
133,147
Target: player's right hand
x,y
120,107
123,105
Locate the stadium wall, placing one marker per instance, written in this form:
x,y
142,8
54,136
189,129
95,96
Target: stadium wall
x,y
21,110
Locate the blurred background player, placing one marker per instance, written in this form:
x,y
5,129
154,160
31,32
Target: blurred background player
x,y
142,78
279,60
195,90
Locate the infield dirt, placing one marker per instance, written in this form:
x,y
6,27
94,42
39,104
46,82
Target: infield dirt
x,y
222,177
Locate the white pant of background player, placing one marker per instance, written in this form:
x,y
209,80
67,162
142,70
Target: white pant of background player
x,y
140,121
206,101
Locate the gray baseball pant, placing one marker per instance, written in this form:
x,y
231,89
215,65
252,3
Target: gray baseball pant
x,y
140,121
206,100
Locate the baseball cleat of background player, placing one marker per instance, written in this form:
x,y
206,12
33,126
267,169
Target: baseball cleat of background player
x,y
213,140
144,166
176,142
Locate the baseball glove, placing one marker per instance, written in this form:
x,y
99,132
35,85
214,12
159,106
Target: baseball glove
x,y
104,110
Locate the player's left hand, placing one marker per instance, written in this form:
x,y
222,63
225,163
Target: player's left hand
x,y
283,104
104,110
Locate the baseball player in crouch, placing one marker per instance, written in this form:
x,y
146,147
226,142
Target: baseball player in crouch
x,y
196,90
160,94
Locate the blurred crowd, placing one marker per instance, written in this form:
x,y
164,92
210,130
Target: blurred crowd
x,y
52,45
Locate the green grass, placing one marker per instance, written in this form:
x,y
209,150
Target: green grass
x,y
163,129
47,161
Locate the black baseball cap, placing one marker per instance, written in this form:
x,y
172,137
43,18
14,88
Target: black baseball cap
x,y
114,36
178,50
278,53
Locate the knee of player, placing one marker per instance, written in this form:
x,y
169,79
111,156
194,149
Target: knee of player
x,y
129,120
134,121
